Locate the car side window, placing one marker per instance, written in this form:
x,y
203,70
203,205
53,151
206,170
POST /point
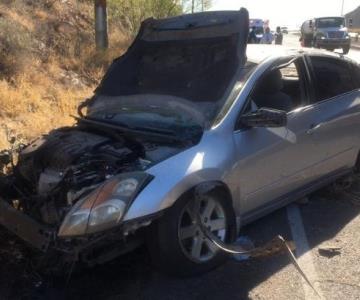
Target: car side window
x,y
332,77
280,88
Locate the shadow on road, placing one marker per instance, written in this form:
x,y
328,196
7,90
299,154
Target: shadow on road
x,y
132,277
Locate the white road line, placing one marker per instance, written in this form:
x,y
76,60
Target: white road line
x,y
303,252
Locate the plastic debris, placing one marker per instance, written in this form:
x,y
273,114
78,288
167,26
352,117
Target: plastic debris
x,y
245,243
329,251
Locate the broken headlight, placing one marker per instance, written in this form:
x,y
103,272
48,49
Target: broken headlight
x,y
105,207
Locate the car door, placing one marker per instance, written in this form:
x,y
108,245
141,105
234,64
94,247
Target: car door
x,y
272,162
335,131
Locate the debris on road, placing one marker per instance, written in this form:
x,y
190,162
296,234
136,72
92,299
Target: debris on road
x,y
353,193
329,251
246,243
348,189
275,246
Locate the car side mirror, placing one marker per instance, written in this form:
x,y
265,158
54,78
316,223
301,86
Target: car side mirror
x,y
265,117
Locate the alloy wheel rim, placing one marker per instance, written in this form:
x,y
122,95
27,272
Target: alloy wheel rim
x,y
193,243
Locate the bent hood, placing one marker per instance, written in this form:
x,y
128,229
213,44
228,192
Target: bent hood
x,y
194,57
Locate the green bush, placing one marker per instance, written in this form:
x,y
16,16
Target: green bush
x,y
130,13
14,42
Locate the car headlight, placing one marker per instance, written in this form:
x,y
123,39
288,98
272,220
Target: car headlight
x,y
105,207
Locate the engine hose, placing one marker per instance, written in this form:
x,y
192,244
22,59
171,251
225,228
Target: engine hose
x,y
83,105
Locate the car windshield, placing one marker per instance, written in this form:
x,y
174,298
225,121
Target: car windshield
x,y
151,112
330,22
161,113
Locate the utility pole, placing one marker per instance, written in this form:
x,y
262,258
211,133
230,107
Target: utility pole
x,y
101,35
342,7
192,6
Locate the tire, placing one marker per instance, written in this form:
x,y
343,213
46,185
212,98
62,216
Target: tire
x,y
173,255
346,49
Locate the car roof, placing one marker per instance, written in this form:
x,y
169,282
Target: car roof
x,y
257,53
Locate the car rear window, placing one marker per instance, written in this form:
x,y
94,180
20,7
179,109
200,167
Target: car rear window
x,y
333,77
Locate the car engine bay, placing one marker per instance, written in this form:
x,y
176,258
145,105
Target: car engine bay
x,y
47,177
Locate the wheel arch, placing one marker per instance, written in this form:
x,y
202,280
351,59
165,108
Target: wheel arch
x,y
166,252
220,189
215,186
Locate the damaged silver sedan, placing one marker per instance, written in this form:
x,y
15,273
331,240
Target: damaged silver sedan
x,y
185,124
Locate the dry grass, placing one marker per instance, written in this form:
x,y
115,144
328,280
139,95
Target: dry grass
x,y
35,105
48,63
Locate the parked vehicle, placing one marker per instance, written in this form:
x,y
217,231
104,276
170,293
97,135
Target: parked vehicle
x,y
327,33
184,125
284,30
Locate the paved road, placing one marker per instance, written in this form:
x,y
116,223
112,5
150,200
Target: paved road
x,y
292,40
326,221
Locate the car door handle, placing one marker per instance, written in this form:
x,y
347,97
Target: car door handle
x,y
313,128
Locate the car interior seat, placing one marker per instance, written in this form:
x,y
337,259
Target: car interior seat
x,y
268,92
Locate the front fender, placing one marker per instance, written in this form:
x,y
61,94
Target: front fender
x,y
178,174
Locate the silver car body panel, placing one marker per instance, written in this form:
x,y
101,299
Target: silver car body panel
x,y
260,165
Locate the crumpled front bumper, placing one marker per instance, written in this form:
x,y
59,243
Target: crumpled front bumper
x,y
28,229
106,245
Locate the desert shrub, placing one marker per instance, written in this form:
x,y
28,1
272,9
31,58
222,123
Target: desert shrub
x,y
15,41
130,13
48,60
35,105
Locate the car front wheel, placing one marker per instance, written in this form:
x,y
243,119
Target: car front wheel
x,y
178,246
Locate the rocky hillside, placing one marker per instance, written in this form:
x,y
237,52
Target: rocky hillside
x,y
47,63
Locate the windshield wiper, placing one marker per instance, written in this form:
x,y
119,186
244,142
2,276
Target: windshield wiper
x,y
138,128
117,123
156,130
132,130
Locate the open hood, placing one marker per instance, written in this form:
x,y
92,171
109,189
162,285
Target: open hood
x,y
194,57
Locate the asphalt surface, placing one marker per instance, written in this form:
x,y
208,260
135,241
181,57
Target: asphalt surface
x,y
292,40
330,222
325,231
